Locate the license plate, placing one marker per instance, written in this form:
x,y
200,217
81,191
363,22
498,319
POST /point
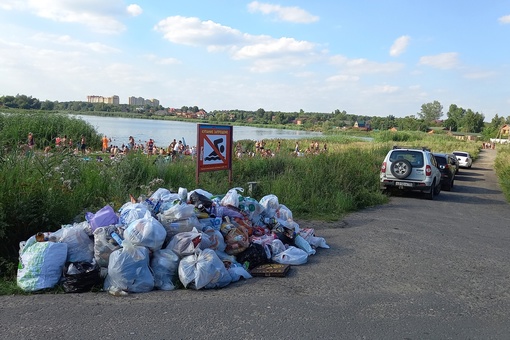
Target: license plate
x,y
404,184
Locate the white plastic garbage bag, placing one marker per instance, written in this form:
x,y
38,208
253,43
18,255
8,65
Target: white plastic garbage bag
x,y
186,243
80,246
232,197
270,204
284,213
130,212
171,212
203,270
292,255
165,264
303,244
147,232
128,270
103,246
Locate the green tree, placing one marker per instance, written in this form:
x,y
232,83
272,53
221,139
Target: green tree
x,y
473,122
431,112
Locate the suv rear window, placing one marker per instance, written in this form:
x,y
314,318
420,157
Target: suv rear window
x,y
441,160
414,157
461,154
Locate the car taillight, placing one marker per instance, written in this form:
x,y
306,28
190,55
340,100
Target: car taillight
x,y
383,167
428,170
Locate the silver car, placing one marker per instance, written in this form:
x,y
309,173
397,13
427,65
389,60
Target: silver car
x,y
464,158
411,170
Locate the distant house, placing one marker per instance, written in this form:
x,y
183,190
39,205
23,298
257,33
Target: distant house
x,y
359,125
505,129
362,125
393,129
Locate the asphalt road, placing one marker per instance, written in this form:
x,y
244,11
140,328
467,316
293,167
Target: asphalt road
x,y
411,269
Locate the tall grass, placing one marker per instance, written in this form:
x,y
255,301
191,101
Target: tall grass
x,y
502,167
45,126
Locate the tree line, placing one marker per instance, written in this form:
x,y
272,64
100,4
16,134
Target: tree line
x,y
431,114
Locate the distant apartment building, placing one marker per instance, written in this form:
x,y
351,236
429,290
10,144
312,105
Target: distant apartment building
x,y
140,101
107,100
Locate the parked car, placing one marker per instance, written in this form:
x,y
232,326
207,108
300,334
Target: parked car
x,y
411,170
448,167
465,160
457,165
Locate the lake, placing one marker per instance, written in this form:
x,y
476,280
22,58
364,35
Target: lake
x,y
163,132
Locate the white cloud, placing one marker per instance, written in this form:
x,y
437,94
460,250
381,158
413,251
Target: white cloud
x,y
400,45
11,5
364,66
134,10
67,41
273,47
443,61
342,78
291,14
385,89
192,31
162,61
267,53
479,75
90,13
504,19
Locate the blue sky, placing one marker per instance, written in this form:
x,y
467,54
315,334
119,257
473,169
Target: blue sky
x,y
372,57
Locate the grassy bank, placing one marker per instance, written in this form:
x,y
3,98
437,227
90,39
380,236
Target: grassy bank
x,y
43,191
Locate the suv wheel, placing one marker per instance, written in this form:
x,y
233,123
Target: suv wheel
x,y
430,195
437,188
401,168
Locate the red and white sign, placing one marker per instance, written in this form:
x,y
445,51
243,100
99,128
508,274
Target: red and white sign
x,y
214,146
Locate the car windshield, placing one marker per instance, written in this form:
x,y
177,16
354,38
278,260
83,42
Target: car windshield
x,y
414,157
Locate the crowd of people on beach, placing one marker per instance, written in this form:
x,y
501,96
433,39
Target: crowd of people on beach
x,y
174,151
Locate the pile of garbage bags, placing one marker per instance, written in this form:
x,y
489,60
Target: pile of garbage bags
x,y
169,240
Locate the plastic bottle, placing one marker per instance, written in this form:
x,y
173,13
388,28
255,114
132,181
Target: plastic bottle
x,y
117,238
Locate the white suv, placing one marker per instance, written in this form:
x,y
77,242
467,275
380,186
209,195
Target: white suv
x,y
411,169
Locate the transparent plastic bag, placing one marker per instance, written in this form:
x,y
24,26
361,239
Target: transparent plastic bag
x,y
129,271
165,265
270,204
232,197
147,232
292,255
203,270
80,247
130,212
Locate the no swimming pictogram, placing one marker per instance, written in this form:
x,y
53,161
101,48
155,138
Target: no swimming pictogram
x,y
215,150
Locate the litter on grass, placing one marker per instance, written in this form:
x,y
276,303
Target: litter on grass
x,y
193,240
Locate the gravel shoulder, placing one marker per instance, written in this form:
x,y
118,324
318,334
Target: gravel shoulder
x,y
410,269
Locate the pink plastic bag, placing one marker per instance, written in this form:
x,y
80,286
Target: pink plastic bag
x,y
102,218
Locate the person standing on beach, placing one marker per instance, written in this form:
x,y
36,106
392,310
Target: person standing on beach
x,y
150,147
105,143
83,144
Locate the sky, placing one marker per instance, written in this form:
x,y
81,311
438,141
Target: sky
x,y
368,57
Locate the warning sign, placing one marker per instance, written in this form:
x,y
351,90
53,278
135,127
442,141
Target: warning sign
x,y
214,145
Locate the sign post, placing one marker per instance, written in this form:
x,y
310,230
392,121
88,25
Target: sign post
x,y
214,149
